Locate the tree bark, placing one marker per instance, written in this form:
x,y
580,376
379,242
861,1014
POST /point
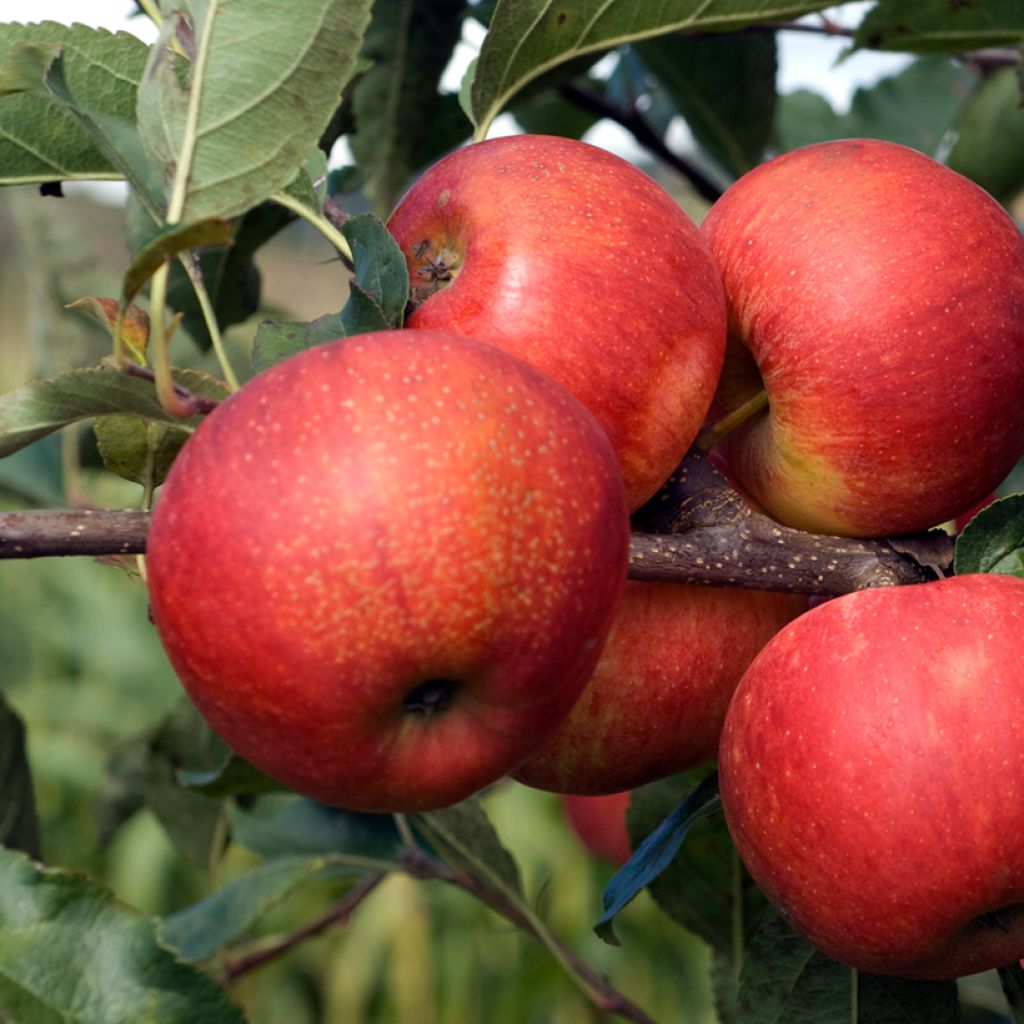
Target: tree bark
x,y
696,530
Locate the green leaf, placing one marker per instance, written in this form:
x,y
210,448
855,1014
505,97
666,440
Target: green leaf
x,y
144,771
285,825
193,821
1012,980
529,37
381,272
924,26
915,107
698,887
547,112
989,147
42,406
138,450
276,340
804,117
228,914
466,90
168,242
19,826
362,313
234,777
396,103
23,68
40,138
465,837
785,980
265,79
724,86
230,273
657,842
116,137
71,954
309,185
376,302
993,541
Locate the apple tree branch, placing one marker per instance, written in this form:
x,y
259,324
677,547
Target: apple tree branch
x,y
696,530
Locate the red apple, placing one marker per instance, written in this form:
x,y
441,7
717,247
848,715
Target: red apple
x,y
578,262
599,823
878,298
384,569
872,776
655,704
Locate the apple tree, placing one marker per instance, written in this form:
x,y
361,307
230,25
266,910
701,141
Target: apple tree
x,y
260,149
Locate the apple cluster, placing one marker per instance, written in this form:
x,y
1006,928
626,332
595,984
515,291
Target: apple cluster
x,y
391,570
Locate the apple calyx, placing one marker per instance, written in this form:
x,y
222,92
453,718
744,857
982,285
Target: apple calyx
x,y
1002,919
429,698
433,266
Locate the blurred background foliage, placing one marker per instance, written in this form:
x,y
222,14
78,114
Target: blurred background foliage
x,y
82,666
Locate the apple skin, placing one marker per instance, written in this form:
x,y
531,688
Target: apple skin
x,y
575,260
872,776
599,822
384,569
656,701
878,297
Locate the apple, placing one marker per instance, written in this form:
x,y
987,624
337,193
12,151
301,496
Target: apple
x,y
599,822
384,569
656,701
877,297
872,776
575,260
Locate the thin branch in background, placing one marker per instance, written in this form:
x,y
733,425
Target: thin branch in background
x,y
608,999
984,60
823,27
991,58
334,213
988,58
337,217
635,123
337,916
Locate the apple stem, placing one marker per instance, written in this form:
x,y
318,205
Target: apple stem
x,y
165,390
195,275
322,224
854,993
711,436
404,831
196,403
